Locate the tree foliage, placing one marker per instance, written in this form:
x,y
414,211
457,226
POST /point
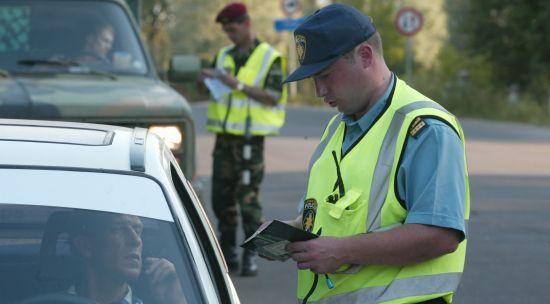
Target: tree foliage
x,y
482,47
512,35
189,25
156,18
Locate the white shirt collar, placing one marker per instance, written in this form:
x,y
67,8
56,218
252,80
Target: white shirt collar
x,y
127,297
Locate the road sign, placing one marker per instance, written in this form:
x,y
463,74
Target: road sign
x,y
287,24
408,21
290,7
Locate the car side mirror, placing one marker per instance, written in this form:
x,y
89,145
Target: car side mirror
x,y
184,68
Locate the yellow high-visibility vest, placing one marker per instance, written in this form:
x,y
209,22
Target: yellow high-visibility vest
x,y
370,204
229,113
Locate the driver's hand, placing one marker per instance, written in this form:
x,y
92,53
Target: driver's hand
x,y
162,280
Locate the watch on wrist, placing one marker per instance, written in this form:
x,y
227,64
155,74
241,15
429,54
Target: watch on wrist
x,y
240,86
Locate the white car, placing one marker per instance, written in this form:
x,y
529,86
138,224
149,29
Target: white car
x,y
93,214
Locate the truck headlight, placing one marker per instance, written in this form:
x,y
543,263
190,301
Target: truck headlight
x,y
170,134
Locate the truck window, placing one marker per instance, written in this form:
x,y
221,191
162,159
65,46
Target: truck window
x,y
66,37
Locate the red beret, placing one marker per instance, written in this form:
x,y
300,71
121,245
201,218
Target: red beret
x,y
231,12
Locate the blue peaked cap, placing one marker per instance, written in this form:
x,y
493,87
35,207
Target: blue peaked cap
x,y
327,35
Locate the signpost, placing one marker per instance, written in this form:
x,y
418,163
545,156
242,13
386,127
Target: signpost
x,y
287,24
408,22
290,8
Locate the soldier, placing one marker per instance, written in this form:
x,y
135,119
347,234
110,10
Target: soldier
x,y
254,108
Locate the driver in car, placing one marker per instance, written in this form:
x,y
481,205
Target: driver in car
x,y
110,249
98,44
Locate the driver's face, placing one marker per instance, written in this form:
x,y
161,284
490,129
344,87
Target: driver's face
x,y
103,42
117,249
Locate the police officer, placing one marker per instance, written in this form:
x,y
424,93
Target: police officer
x,y
254,108
388,187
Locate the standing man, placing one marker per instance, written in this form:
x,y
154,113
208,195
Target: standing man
x,y
254,108
388,187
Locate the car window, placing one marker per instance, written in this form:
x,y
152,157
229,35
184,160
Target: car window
x,y
68,37
203,230
68,246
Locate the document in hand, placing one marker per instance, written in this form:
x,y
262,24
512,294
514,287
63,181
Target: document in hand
x,y
271,240
216,87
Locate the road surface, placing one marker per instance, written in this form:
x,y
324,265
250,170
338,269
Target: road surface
x,y
508,258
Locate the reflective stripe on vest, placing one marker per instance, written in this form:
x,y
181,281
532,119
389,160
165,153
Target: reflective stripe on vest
x,y
261,72
243,103
398,289
322,145
230,112
382,172
255,128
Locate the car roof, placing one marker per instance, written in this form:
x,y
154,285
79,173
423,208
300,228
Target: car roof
x,y
78,145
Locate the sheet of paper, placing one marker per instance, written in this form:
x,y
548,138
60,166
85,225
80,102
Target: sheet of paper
x,y
216,88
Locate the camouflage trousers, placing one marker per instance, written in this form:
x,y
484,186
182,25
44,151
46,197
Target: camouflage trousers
x,y
228,190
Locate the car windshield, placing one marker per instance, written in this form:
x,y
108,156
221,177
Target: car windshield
x,y
68,37
70,235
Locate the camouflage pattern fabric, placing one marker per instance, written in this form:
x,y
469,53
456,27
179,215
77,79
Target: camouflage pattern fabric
x,y
228,191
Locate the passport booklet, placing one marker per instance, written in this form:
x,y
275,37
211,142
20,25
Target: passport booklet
x,y
271,240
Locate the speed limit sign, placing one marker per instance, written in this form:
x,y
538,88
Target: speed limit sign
x,y
290,7
408,21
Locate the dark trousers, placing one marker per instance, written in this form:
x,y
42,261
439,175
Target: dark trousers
x,y
228,190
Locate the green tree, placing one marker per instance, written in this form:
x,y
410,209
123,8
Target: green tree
x,y
156,17
383,14
513,36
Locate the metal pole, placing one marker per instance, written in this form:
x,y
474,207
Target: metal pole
x,y
408,59
247,148
291,64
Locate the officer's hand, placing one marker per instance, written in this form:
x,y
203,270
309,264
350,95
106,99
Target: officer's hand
x,y
160,274
228,79
206,73
321,255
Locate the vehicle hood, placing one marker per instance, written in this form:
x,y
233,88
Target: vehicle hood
x,y
67,97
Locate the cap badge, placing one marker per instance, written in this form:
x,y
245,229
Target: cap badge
x,y
300,47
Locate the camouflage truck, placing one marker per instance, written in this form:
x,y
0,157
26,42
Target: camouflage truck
x,y
85,61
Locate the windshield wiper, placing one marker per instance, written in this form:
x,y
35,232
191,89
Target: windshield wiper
x,y
82,69
72,66
54,62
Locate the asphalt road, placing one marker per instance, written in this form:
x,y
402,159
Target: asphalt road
x,y
508,259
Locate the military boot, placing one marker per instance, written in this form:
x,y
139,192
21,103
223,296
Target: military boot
x,y
231,258
249,266
227,243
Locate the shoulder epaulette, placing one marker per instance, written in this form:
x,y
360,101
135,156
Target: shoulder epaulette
x,y
417,127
